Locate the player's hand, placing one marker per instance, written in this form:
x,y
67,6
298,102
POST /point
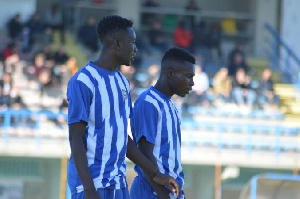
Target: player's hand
x,y
167,181
92,194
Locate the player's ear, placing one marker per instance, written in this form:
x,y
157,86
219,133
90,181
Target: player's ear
x,y
117,43
114,43
169,72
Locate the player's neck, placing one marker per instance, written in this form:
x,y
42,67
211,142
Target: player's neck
x,y
163,87
106,61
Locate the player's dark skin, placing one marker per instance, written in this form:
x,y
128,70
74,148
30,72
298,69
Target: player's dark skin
x,y
174,79
118,49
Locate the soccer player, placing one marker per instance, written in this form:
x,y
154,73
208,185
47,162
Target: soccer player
x,y
156,125
98,113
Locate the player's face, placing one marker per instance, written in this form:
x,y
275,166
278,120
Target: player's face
x,y
182,81
129,48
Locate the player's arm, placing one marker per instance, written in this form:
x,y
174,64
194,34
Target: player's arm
x,y
76,134
138,158
147,149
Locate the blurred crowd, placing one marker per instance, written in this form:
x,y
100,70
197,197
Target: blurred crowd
x,y
27,52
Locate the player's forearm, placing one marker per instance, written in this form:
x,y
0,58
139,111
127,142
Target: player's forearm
x,y
81,164
160,190
138,158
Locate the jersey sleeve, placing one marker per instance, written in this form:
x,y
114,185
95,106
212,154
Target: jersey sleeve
x,y
80,97
144,122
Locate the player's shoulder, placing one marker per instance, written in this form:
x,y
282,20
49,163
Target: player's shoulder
x,y
147,98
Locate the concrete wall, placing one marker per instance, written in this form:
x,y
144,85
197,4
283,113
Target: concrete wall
x,y
266,11
290,31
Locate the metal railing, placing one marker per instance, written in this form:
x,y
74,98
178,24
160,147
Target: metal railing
x,y
289,66
239,135
242,136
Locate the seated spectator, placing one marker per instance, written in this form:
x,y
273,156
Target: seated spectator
x,y
37,30
10,55
40,73
54,21
191,6
5,99
128,72
152,75
267,97
156,37
61,56
72,66
183,37
147,18
16,99
199,95
222,85
6,82
14,27
47,52
242,93
237,61
238,49
151,3
214,39
199,42
61,119
87,35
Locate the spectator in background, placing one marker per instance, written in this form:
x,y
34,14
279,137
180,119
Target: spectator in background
x,y
61,56
7,81
72,65
242,93
10,55
199,95
61,120
47,52
5,99
237,62
60,59
144,50
222,85
40,73
128,72
191,6
199,37
16,98
238,49
268,100
183,37
9,50
147,18
54,21
87,35
14,28
37,30
156,36
151,3
152,76
214,39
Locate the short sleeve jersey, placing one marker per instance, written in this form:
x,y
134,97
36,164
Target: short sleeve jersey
x,y
156,118
101,98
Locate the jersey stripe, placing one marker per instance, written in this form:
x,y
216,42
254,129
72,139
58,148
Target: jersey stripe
x,y
108,110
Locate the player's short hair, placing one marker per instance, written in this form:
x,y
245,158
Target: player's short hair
x,y
112,24
177,54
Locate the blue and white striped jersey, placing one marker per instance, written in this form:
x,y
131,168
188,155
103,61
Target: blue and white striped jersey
x,y
101,98
155,117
